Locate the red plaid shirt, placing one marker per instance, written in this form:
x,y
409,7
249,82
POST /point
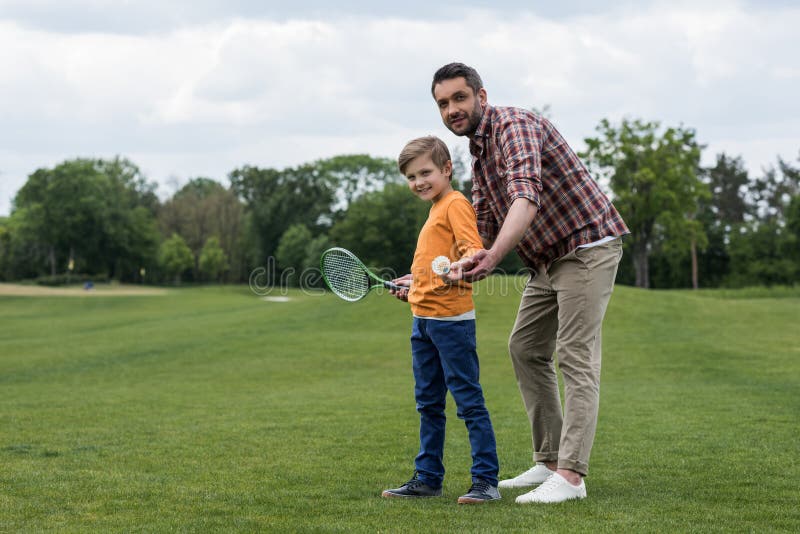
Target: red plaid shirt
x,y
518,154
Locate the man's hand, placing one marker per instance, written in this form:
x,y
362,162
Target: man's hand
x,y
405,282
457,270
481,265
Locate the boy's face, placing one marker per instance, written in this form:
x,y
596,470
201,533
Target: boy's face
x,y
461,109
428,181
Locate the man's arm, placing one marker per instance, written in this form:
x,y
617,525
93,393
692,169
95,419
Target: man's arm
x,y
518,220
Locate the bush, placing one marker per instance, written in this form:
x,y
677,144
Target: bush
x,y
71,279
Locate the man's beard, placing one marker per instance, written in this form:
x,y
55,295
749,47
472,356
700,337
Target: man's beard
x,y
473,120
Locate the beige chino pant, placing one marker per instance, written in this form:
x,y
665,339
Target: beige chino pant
x,y
562,311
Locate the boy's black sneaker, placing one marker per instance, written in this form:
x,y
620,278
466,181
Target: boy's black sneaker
x,y
480,492
413,488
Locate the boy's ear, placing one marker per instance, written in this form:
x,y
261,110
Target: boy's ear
x,y
448,169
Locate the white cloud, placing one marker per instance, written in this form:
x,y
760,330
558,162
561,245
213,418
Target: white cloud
x,y
207,96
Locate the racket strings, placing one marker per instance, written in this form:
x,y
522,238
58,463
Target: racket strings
x,y
344,275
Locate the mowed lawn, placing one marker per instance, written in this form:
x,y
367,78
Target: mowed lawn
x,y
212,409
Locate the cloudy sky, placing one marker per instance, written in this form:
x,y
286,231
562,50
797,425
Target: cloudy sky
x,y
198,88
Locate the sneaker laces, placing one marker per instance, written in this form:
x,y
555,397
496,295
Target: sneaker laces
x,y
415,482
548,484
481,486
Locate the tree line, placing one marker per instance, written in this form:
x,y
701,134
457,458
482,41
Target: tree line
x,y
691,226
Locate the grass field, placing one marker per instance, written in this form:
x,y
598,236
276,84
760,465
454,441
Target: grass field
x,y
213,410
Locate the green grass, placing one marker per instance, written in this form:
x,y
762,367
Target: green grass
x,y
213,410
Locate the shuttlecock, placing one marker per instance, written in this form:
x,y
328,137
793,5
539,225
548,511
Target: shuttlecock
x,y
441,265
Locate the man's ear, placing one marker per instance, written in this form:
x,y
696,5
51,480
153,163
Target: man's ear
x,y
482,96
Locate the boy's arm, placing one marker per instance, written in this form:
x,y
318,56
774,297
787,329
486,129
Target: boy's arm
x,y
468,242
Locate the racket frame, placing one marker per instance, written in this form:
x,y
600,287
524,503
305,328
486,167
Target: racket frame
x,y
379,282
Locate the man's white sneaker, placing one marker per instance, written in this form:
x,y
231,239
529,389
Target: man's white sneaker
x,y
533,476
555,489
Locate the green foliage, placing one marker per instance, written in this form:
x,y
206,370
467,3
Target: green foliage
x,y
104,215
773,191
298,255
291,253
727,182
202,209
314,194
210,410
654,177
311,276
71,279
353,175
382,227
793,216
764,254
97,212
277,200
175,257
5,245
213,261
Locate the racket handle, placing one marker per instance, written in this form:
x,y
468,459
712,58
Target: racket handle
x,y
388,285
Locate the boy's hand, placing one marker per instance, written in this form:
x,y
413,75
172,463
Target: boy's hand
x,y
405,282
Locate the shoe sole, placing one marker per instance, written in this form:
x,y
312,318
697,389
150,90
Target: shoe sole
x,y
390,495
471,500
551,502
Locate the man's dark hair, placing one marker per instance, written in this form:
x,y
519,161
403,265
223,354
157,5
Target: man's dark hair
x,y
458,70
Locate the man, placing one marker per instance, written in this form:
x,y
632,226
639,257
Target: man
x,y
532,193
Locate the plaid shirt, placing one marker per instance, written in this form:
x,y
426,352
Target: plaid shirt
x,y
518,154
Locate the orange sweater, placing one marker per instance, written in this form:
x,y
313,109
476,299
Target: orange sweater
x,y
451,230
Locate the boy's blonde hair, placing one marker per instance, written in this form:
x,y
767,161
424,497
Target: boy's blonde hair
x,y
430,145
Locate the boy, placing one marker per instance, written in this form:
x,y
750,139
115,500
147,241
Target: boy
x,y
443,332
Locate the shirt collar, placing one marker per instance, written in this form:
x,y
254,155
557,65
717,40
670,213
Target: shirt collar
x,y
482,131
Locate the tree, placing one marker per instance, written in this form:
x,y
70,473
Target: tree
x,y
94,214
381,228
310,276
5,247
353,175
654,178
765,248
277,200
772,192
462,172
721,213
765,254
291,253
727,181
66,207
201,209
175,257
213,261
314,194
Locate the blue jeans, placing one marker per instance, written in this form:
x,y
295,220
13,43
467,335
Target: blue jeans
x,y
444,358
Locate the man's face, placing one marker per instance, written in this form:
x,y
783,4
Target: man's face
x,y
460,107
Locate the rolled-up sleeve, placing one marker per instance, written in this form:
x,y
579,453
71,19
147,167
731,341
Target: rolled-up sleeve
x,y
521,144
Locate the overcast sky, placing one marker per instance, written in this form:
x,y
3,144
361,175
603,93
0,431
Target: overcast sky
x,y
186,89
